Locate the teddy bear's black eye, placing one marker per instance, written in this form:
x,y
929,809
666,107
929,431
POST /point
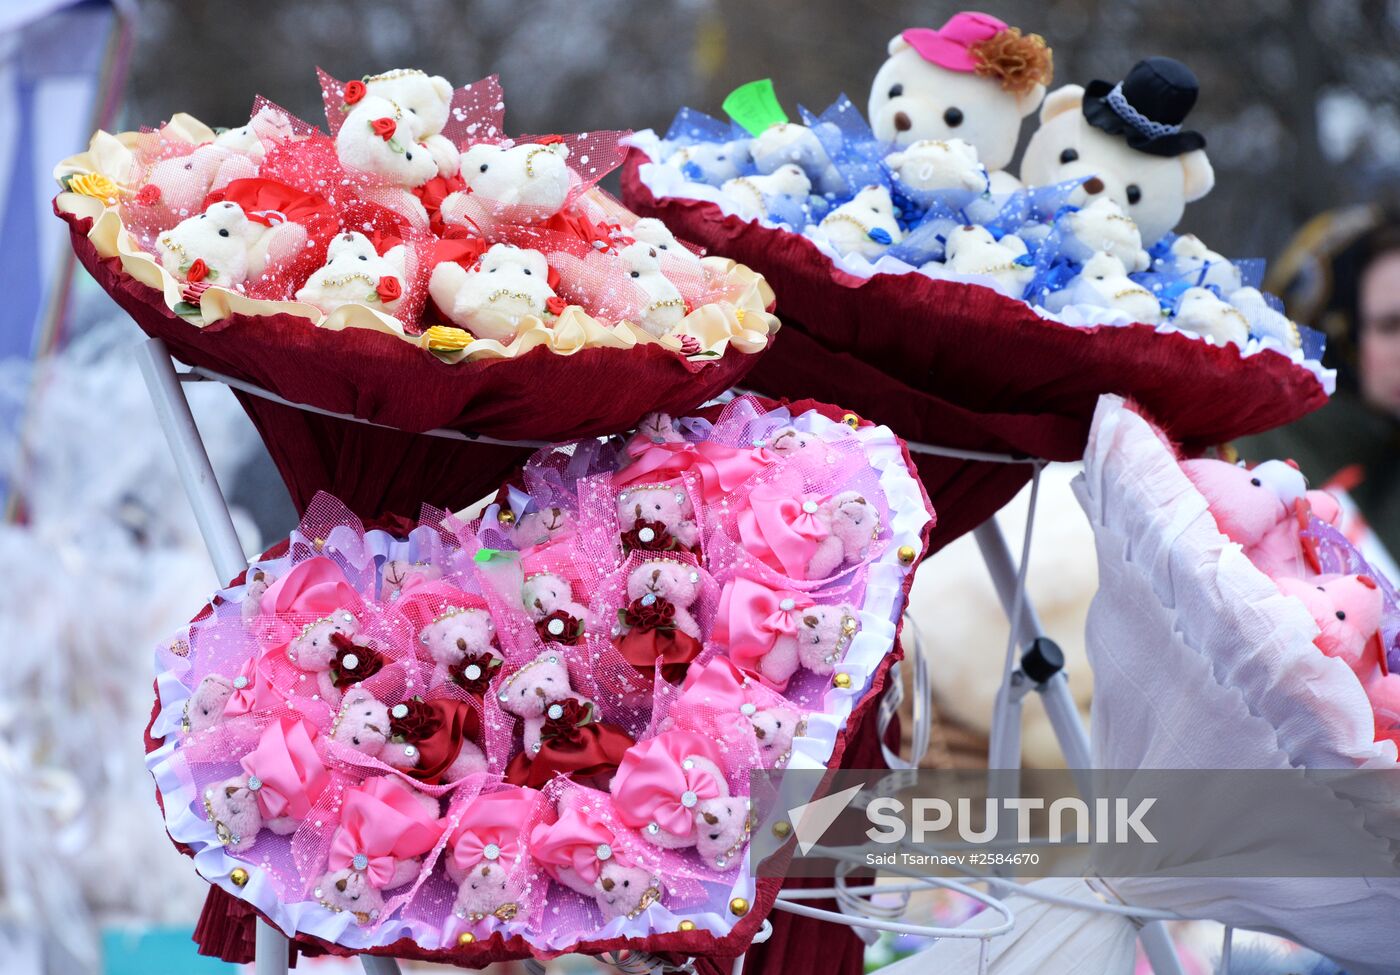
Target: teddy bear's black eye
x,y
953,117
1069,155
636,274
720,157
414,111
663,246
527,270
1256,482
483,167
1341,615
1134,194
223,232
627,883
408,155
363,257
355,740
896,91
189,165
714,836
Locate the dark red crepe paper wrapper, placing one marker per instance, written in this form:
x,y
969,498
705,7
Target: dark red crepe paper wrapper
x,y
226,927
962,366
538,396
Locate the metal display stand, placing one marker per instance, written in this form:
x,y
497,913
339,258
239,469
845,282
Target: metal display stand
x,y
1034,664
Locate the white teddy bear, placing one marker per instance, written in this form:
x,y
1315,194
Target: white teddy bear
x,y
1152,177
974,79
792,142
184,181
267,126
1203,267
426,100
1265,322
231,247
355,272
1101,227
974,251
866,225
661,307
755,196
510,283
532,175
1103,282
714,163
649,230
375,139
1200,311
929,165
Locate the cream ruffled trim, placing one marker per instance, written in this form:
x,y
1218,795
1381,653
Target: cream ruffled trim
x,y
740,319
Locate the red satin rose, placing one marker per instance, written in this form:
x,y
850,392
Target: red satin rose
x,y
366,662
555,305
649,536
198,271
571,634
690,345
193,291
148,194
550,140
384,127
486,665
420,723
389,288
354,91
659,614
567,728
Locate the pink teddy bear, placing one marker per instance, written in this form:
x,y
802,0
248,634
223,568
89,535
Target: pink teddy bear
x,y
791,442
485,890
366,724
657,517
314,651
547,593
232,806
534,690
774,729
540,526
852,524
821,638
350,890
673,582
205,707
721,823
656,428
399,574
258,581
621,888
457,633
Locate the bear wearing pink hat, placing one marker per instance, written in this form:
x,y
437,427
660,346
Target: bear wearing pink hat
x,y
972,79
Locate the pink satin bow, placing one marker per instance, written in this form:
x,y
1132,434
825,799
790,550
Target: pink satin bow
x,y
572,841
257,690
752,617
315,587
383,821
285,762
721,468
652,782
493,819
718,687
782,528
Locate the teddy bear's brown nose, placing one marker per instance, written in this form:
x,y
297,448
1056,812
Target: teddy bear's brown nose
x,y
609,883
461,643
901,122
539,692
1093,185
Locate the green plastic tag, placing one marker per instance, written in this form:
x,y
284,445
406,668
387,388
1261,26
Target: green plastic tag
x,y
755,106
487,554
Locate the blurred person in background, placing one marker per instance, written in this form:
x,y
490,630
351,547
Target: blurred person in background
x,y
1341,275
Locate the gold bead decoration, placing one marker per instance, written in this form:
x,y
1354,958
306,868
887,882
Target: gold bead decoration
x,y
687,925
506,516
465,938
239,876
739,906
851,420
782,828
907,555
842,681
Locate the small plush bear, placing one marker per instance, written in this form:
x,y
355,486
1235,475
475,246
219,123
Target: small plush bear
x,y
366,724
852,523
865,225
426,101
549,599
222,247
1201,312
1265,321
1198,265
355,272
457,633
973,251
351,890
232,807
930,165
774,729
375,139
622,890
718,824
540,525
974,78
679,585
531,175
266,127
822,636
659,304
1103,283
258,581
657,517
754,197
242,806
1100,226
205,707
530,692
791,143
788,441
316,647
183,182
714,163
649,230
508,285
1147,164
398,575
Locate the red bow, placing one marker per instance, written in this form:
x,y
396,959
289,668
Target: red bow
x,y
267,201
456,722
670,647
589,755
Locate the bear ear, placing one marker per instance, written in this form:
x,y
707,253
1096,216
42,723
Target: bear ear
x,y
897,44
1061,100
443,87
1199,176
1028,101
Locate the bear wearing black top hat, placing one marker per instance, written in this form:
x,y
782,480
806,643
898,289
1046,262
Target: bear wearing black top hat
x,y
1126,140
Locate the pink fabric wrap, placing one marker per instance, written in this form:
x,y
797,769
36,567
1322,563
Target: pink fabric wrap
x,y
951,45
721,468
385,822
292,774
651,781
316,587
572,841
494,818
782,528
751,619
718,686
258,692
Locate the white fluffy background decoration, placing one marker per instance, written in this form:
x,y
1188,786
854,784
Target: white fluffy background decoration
x,y
109,563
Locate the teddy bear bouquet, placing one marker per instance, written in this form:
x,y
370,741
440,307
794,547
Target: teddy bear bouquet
x,y
531,731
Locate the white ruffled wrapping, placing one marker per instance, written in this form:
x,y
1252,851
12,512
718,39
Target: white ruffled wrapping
x,y
879,614
668,181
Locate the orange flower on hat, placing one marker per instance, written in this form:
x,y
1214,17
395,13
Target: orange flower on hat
x,y
1018,62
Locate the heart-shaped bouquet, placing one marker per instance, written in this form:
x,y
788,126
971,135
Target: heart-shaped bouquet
x,y
532,731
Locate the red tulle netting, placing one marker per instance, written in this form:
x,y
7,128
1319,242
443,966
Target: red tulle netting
x,y
962,366
561,528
